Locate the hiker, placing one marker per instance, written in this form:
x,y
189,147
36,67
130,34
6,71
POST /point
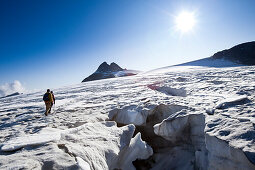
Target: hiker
x,y
53,97
48,99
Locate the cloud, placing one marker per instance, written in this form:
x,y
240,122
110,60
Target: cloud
x,y
10,88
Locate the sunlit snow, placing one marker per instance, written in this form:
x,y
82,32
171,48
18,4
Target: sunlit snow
x,y
181,117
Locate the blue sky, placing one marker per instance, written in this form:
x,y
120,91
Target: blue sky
x,y
49,44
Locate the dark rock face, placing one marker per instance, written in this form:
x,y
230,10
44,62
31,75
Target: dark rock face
x,y
242,53
98,76
104,67
104,71
115,67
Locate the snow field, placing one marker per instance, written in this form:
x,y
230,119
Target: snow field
x,y
169,129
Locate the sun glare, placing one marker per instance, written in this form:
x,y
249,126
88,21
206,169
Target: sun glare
x,y
185,21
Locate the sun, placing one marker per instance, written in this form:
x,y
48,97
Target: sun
x,y
185,21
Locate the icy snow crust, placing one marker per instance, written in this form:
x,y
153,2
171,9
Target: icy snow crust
x,y
182,117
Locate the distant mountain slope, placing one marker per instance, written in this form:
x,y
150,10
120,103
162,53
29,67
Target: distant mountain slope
x,y
211,62
105,71
239,55
242,54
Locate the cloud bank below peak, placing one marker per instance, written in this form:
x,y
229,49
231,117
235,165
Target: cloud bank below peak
x,y
10,88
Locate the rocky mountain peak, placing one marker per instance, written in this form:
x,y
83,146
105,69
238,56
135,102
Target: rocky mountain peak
x,y
105,71
104,67
115,67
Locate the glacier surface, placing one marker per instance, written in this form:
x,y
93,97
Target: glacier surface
x,y
183,117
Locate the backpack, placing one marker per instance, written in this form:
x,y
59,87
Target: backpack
x,y
46,97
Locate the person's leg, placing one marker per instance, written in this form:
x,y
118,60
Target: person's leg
x,y
48,106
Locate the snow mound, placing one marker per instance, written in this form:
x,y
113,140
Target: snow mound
x,y
93,145
183,138
161,112
223,156
136,147
129,115
140,116
227,103
37,139
83,165
173,91
176,128
231,101
209,151
168,90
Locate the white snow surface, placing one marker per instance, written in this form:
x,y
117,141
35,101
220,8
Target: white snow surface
x,y
82,164
126,73
35,139
214,120
122,73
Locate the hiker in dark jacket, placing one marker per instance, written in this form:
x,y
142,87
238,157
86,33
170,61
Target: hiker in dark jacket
x,y
48,99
